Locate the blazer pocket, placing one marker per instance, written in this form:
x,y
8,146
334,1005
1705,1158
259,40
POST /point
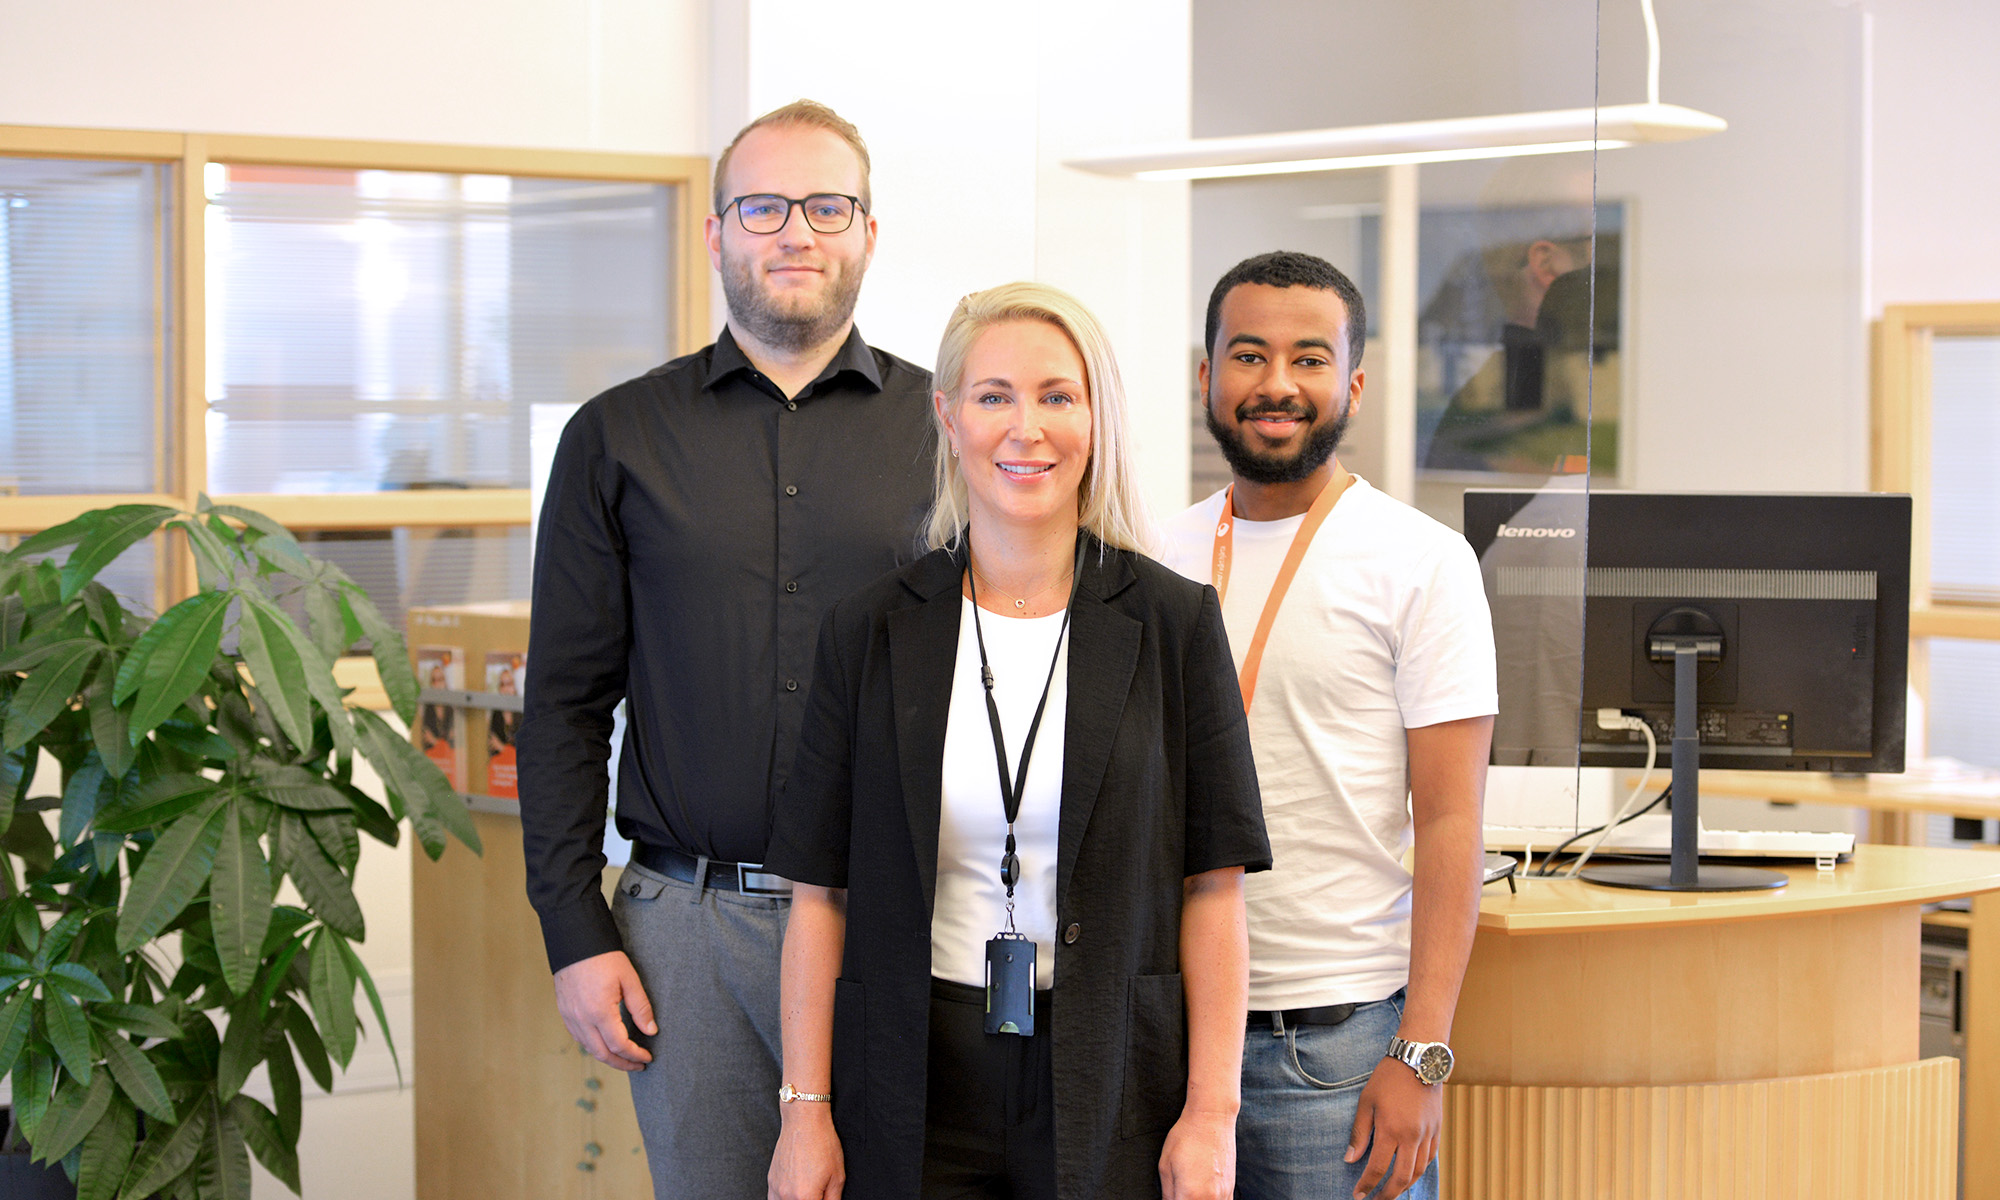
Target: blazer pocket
x,y
1155,1054
850,1062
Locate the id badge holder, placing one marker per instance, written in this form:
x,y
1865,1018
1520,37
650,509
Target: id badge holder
x,y
1010,984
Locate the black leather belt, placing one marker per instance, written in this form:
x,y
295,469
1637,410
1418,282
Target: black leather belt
x,y
1277,1020
751,879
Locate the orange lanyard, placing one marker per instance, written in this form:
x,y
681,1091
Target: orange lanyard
x,y
1225,541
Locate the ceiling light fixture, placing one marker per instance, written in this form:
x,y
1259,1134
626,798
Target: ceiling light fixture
x,y
1454,139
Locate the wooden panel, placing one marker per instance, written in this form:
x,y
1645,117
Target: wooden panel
x,y
1982,1049
32,514
1675,1004
478,160
1974,794
39,141
507,1106
1944,620
1878,876
1890,1133
453,507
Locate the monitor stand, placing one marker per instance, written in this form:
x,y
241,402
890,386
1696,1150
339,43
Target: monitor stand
x,y
1684,872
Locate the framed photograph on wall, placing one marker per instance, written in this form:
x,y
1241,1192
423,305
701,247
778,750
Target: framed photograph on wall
x,y
1520,321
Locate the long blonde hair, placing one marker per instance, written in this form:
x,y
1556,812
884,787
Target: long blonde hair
x,y
1108,502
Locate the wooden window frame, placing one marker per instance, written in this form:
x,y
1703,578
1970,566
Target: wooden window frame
x,y
1901,446
185,405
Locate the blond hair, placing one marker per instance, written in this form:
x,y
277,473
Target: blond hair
x,y
799,114
1108,502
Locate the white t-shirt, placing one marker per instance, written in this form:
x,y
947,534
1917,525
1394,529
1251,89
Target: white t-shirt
x,y
1385,629
972,827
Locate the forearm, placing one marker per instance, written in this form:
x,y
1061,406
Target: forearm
x,y
1447,791
1215,966
815,938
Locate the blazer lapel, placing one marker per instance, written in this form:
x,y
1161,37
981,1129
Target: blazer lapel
x,y
923,650
1103,654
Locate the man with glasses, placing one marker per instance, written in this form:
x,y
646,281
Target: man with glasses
x,y
699,522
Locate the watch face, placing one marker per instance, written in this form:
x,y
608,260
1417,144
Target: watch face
x,y
1434,1063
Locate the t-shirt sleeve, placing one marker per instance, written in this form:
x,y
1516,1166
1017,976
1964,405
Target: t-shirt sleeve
x,y
1225,811
1444,660
813,816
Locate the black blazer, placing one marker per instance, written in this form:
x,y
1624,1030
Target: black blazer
x,y
1158,784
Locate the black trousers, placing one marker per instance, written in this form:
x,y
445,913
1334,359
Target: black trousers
x,y
989,1124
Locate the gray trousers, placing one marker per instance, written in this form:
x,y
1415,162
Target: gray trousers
x,y
708,1102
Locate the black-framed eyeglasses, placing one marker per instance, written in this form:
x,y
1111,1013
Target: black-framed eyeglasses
x,y
826,212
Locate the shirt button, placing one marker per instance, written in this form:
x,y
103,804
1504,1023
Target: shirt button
x,y
791,406
791,685
792,586
791,489
1072,933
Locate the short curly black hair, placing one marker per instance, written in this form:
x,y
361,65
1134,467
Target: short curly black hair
x,y
1290,268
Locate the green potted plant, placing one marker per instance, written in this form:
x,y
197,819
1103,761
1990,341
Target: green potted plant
x,y
202,758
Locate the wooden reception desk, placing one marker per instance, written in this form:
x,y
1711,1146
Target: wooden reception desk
x,y
1735,1044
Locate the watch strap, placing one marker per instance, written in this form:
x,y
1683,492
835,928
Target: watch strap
x,y
787,1094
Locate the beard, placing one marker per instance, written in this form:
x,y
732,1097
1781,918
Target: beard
x,y
1256,466
784,326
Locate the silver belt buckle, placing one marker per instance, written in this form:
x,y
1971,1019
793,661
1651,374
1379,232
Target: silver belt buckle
x,y
753,880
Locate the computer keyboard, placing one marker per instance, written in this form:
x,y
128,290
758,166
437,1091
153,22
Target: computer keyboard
x,y
1653,834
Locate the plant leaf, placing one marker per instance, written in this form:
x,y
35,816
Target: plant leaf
x,y
64,1128
305,1036
116,531
105,612
242,1049
329,628
79,981
56,537
159,800
57,939
224,1171
34,1076
165,1155
138,1076
392,656
360,971
16,1020
179,662
69,1033
333,997
324,886
279,676
424,789
110,726
239,894
107,1152
299,788
47,690
283,1071
170,874
212,558
27,838
131,672
137,1018
30,653
88,789
318,674
335,834
266,1136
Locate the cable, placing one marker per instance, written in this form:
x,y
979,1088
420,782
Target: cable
x,y
1611,718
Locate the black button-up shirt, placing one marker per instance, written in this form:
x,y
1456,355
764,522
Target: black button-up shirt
x,y
698,525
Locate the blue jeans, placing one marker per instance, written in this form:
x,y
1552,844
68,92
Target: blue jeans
x,y
1300,1093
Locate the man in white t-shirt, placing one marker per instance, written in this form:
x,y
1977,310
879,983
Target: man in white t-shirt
x,y
1361,630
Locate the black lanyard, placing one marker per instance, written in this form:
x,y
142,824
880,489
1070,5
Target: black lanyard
x,y
1011,789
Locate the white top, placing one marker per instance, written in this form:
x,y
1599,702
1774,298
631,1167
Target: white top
x,y
1385,628
972,826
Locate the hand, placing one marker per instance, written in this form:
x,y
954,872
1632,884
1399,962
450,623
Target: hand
x,y
588,993
807,1164
1402,1117
1199,1162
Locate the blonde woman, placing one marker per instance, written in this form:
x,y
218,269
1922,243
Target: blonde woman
x,y
1022,809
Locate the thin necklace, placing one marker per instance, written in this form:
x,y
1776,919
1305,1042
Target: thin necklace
x,y
1021,603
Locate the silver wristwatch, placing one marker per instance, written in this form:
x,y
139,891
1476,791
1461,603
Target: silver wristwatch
x,y
788,1093
1430,1060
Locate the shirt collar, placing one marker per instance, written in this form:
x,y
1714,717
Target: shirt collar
x,y
726,358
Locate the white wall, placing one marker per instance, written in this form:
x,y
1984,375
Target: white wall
x,y
1934,173
968,113
570,74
